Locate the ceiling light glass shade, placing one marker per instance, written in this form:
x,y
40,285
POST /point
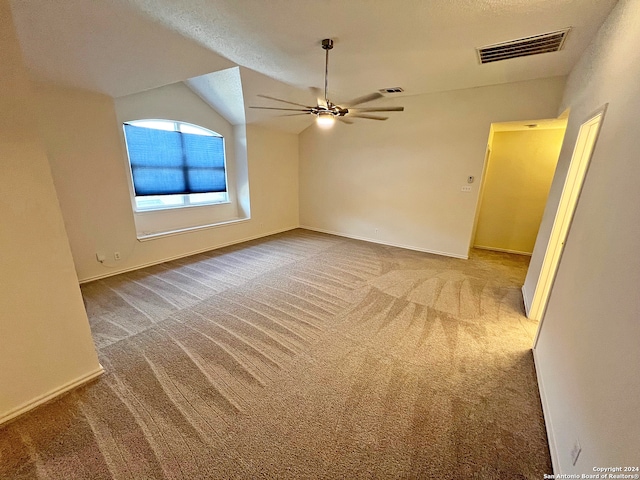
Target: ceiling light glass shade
x,y
326,119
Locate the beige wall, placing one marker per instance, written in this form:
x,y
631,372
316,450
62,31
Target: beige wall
x,y
399,182
178,102
516,185
83,139
45,343
587,355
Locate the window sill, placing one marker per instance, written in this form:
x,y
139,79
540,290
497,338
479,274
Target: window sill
x,y
152,236
178,207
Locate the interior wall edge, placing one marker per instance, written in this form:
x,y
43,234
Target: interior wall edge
x,y
527,302
184,255
26,407
46,342
389,244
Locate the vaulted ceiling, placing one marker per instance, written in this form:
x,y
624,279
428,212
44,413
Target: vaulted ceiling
x,y
119,47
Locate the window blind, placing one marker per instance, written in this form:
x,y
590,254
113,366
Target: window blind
x,y
168,163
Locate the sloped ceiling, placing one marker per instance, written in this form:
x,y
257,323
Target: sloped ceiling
x,y
119,47
223,91
104,47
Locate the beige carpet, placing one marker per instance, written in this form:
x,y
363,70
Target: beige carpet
x,y
300,355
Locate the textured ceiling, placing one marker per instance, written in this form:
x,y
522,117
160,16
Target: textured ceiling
x,y
119,47
100,46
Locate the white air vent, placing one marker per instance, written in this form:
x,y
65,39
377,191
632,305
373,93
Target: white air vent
x,y
392,90
522,47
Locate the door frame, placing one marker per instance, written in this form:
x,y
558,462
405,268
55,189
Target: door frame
x,y
483,177
569,198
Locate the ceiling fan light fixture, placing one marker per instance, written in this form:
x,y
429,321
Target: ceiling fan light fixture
x,y
325,119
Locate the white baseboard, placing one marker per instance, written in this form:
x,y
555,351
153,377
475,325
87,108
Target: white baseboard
x,y
49,396
504,250
547,417
183,255
372,240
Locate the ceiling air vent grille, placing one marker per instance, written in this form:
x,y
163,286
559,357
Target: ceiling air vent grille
x,y
522,47
392,90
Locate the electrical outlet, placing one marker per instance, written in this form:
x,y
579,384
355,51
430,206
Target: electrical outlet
x,y
116,255
575,451
100,257
466,188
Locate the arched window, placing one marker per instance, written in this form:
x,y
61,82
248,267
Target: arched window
x,y
175,164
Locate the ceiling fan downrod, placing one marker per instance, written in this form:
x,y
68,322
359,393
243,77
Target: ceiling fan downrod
x,y
327,44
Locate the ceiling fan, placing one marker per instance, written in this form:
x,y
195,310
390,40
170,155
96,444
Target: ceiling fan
x,y
325,110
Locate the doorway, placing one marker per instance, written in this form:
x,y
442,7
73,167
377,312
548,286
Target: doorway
x,y
578,167
519,167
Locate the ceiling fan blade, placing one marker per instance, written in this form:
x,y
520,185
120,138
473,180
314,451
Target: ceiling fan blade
x,y
283,101
364,99
293,114
377,109
319,94
345,120
285,109
365,115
